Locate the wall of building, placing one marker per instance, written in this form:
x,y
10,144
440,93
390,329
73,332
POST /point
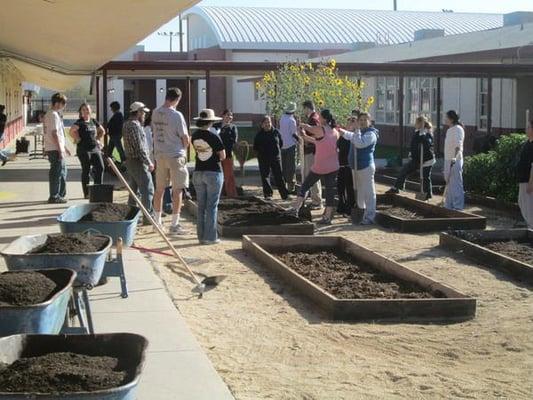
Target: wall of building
x,y
11,95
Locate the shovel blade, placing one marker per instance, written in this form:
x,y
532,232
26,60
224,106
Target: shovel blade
x,y
213,280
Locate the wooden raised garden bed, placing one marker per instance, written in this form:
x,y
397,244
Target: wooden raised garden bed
x,y
508,250
254,216
409,215
352,283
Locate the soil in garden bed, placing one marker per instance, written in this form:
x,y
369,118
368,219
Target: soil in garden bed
x,y
61,373
250,211
519,251
406,212
24,288
340,275
109,212
71,243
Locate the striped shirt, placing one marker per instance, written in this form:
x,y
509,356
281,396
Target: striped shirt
x,y
135,141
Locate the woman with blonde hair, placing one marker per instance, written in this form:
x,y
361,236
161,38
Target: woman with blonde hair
x,y
87,134
421,146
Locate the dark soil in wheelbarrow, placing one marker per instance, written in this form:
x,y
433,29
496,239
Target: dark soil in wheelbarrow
x,y
109,212
343,277
61,373
519,251
71,243
405,212
250,211
24,288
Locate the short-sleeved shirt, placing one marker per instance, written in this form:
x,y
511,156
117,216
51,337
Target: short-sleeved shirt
x,y
313,120
207,145
53,122
88,134
523,168
168,129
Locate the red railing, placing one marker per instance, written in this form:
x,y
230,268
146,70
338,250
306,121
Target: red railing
x,y
12,129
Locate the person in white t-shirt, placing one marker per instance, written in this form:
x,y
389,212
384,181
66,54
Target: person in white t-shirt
x,y
56,150
170,139
453,162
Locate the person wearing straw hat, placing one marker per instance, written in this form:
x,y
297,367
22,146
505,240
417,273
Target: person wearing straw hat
x,y
207,177
138,161
289,133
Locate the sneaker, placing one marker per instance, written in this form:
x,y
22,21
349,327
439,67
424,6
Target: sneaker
x,y
177,230
4,162
393,190
367,222
57,200
268,198
288,197
292,211
316,207
324,221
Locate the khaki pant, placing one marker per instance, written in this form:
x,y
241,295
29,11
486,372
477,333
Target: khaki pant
x,y
171,171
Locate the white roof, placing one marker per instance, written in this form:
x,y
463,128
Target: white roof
x,y
496,39
55,42
318,29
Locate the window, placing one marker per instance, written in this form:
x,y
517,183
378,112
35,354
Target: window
x,y
387,100
421,99
483,102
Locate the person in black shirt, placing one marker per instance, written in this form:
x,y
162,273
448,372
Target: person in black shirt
x,y
228,133
345,187
267,145
422,141
3,121
87,134
114,130
524,171
207,177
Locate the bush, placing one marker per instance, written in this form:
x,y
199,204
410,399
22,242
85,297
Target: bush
x,y
493,173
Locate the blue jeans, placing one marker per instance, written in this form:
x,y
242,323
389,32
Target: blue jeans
x,y
57,176
455,194
140,181
3,156
208,185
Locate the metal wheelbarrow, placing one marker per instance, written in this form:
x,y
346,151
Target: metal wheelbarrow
x,y
128,348
43,318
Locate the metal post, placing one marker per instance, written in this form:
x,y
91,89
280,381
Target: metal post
x,y
98,98
489,105
189,111
104,106
438,122
400,118
207,88
181,33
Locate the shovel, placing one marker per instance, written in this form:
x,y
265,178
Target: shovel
x,y
200,285
421,195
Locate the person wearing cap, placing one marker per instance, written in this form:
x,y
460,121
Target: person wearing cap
x,y
171,139
138,161
207,177
288,129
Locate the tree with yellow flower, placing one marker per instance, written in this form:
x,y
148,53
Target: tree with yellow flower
x,y
297,82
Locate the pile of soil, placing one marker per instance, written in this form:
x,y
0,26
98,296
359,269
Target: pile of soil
x,y
405,212
519,251
24,288
341,276
71,243
109,212
61,373
252,211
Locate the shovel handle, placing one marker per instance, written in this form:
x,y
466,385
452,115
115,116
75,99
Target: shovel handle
x,y
154,224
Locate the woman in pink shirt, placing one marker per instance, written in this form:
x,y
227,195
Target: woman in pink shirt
x,y
326,162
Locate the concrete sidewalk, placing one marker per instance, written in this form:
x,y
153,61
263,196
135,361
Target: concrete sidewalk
x,y
176,367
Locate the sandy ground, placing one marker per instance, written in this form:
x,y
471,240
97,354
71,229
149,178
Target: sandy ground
x,y
269,343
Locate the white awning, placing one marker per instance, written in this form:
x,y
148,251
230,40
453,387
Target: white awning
x,y
56,42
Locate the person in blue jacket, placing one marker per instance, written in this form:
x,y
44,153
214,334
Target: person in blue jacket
x,y
364,138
